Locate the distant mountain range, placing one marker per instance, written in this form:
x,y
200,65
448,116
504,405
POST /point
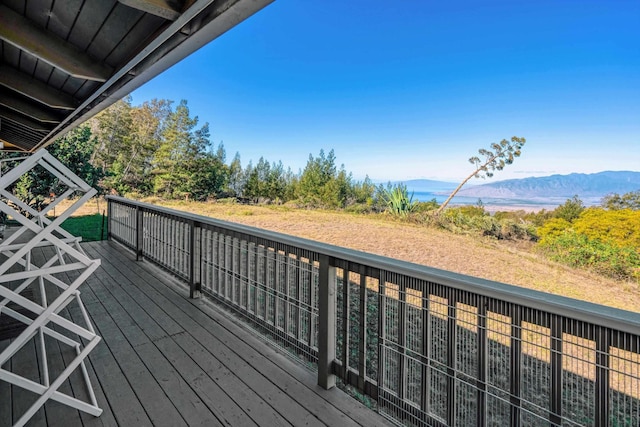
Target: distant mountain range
x,y
428,185
595,185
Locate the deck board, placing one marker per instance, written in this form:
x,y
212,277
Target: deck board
x,y
168,360
244,362
76,382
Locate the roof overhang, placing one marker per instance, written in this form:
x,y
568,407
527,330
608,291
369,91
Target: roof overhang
x,y
62,63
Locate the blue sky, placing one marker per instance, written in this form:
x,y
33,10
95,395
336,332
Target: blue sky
x,y
411,89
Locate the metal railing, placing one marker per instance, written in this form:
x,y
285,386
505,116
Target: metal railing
x,y
430,347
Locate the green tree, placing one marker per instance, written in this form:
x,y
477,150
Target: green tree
x,y
236,179
127,140
173,152
207,177
74,150
184,155
276,182
364,191
629,200
496,158
570,210
251,187
267,181
113,129
321,184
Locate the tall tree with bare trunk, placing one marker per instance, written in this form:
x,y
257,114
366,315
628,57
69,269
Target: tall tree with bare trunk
x,y
496,158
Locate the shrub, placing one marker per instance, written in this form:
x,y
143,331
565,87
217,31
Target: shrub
x,y
358,208
516,230
472,211
553,228
473,219
619,228
606,241
398,200
534,218
431,205
578,250
570,210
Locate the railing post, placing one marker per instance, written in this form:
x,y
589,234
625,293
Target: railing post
x,y
326,323
482,362
139,233
109,218
556,370
516,364
602,395
194,285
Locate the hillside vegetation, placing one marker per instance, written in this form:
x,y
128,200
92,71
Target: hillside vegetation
x,y
513,262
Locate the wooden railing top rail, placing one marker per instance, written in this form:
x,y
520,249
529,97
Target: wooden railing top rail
x,y
621,320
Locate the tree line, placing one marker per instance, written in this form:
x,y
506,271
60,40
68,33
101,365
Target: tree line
x,y
156,149
161,149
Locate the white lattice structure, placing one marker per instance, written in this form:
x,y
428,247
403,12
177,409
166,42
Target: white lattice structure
x,y
66,270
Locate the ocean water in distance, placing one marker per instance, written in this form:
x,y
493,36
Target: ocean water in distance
x,y
495,204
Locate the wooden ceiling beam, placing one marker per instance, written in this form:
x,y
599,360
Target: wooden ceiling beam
x,y
6,145
28,109
35,89
34,125
18,31
13,143
166,9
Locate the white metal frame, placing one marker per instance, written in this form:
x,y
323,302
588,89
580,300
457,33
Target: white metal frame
x,y
16,251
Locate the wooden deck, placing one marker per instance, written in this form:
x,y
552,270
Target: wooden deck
x,y
166,360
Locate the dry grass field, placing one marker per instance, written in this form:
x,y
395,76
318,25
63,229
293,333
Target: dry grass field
x,y
516,264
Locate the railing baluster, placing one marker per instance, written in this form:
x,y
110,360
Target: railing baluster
x,y
362,339
426,351
219,261
402,338
312,301
264,282
163,239
346,322
233,259
382,338
286,298
452,404
254,277
275,286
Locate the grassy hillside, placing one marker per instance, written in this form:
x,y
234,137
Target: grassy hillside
x,y
516,264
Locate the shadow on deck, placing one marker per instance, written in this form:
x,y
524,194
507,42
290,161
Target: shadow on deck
x,y
167,360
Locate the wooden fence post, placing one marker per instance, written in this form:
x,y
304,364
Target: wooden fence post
x,y
326,323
